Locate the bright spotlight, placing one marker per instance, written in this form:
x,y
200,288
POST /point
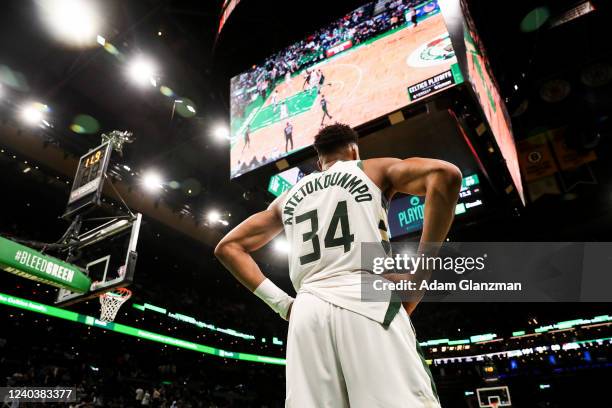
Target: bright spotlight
x,y
152,181
142,71
281,245
221,132
73,22
213,216
33,113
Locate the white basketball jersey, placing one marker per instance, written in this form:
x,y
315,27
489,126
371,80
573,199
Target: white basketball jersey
x,y
327,216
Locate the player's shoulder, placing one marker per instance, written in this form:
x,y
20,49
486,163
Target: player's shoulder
x,y
376,170
380,162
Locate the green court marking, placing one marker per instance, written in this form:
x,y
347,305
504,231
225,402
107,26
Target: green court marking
x,y
296,104
59,313
238,122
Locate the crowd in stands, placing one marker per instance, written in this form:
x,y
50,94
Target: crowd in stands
x,y
114,370
111,370
362,24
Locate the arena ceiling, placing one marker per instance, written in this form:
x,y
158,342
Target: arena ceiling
x,y
180,36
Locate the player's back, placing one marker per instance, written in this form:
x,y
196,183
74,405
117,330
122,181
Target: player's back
x,y
327,216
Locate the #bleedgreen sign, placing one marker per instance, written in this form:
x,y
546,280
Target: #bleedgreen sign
x,y
28,263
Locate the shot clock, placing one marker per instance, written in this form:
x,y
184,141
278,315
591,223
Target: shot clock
x,y
89,180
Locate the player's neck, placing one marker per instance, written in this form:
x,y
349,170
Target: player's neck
x,y
331,161
328,164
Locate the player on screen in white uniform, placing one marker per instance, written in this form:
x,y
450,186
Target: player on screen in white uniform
x,y
275,100
313,80
284,112
342,351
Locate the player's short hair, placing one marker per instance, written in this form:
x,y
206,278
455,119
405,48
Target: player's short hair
x,y
334,137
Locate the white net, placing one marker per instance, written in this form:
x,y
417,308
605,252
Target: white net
x,y
111,302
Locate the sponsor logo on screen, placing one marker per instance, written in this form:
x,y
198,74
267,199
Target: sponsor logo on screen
x,y
338,48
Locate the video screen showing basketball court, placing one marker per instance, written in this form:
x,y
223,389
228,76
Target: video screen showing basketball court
x,y
377,59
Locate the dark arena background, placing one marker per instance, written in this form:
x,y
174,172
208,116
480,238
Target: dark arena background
x,y
134,134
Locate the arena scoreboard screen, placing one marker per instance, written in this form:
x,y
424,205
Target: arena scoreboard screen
x,y
406,213
89,179
377,59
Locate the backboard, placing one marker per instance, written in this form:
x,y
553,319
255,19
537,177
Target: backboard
x,y
107,254
494,397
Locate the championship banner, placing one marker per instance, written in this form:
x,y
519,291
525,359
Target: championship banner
x,y
542,187
569,159
536,158
338,48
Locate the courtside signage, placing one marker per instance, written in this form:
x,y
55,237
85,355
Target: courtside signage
x,y
32,306
338,48
28,263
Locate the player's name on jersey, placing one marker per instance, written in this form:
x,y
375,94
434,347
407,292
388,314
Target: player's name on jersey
x,y
435,285
350,182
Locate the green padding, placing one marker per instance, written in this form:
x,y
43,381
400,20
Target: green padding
x,y
28,263
41,308
296,104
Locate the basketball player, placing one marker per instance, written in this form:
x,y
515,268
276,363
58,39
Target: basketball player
x,y
324,108
412,15
275,100
288,136
247,137
314,80
321,81
284,112
341,351
307,74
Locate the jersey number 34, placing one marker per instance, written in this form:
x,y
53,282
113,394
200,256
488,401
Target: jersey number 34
x,y
345,239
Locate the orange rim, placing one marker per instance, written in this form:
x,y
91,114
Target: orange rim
x,y
121,292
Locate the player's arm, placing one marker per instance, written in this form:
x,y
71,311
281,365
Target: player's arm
x,y
234,252
437,180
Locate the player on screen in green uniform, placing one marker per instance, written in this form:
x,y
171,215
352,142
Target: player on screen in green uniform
x,y
247,137
324,108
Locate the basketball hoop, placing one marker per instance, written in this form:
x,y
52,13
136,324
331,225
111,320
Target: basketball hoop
x,y
111,302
